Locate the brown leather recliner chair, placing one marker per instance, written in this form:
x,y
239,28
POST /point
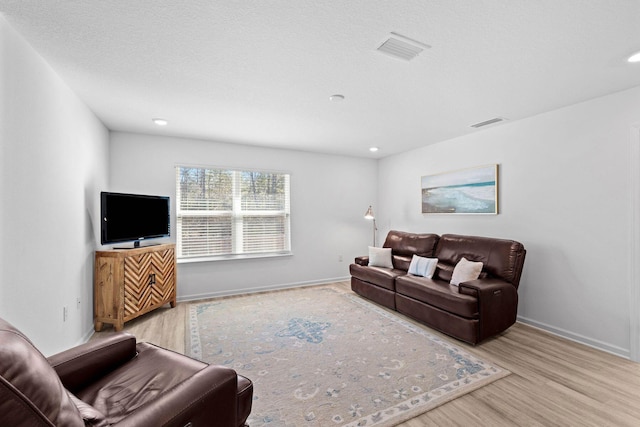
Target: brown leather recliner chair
x,y
115,382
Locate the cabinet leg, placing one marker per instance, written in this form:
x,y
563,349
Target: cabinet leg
x,y
98,326
172,303
118,326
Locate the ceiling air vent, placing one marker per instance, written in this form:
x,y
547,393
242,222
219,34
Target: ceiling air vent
x,y
402,47
489,122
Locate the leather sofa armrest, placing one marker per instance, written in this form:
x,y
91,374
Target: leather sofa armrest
x,y
497,304
210,395
362,260
486,286
87,362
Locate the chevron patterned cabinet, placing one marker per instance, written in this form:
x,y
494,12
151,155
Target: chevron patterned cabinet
x,y
131,282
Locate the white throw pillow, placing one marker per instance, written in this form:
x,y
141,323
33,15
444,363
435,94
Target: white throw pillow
x,y
421,266
380,257
465,270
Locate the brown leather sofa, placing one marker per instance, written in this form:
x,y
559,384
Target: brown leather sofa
x,y
472,311
115,382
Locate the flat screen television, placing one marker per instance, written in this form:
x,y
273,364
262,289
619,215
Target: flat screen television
x,y
133,217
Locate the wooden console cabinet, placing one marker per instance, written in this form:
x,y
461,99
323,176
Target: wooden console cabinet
x,y
132,282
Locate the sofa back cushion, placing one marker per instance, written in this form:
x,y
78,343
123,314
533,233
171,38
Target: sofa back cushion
x,y
500,258
404,245
31,392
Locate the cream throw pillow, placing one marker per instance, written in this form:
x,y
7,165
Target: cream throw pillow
x,y
421,266
380,257
465,270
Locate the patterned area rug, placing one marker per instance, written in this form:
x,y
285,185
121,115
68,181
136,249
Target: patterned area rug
x,y
323,356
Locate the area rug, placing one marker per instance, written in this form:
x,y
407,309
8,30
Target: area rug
x,y
323,356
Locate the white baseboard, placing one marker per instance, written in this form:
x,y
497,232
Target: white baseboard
x,y
196,297
597,344
85,338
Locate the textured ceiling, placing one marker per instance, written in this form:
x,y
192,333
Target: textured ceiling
x,y
261,72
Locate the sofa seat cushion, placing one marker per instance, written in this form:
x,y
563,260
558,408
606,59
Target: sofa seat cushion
x,y
140,381
380,276
438,294
91,416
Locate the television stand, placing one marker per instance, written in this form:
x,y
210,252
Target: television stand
x,y
131,282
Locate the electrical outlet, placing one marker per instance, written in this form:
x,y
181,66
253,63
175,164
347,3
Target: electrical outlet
x,y
78,303
339,258
65,313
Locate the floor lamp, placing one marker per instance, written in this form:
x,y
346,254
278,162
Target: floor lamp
x,y
369,215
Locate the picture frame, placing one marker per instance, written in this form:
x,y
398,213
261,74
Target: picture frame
x,y
466,191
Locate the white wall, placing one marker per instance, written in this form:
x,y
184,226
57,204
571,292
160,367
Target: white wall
x,y
329,196
564,193
54,161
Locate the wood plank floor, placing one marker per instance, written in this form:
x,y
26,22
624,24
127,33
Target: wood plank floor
x,y
553,381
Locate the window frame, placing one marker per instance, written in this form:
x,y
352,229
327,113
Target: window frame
x,y
237,216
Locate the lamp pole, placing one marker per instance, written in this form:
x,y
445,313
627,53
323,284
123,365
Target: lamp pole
x,y
369,215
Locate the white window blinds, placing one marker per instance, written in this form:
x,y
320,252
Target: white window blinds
x,y
223,212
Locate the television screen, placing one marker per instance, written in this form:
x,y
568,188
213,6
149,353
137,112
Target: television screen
x,y
133,217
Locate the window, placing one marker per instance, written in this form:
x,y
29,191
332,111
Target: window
x,y
231,213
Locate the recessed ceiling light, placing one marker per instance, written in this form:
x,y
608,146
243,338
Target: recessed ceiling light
x,y
634,58
336,98
373,149
160,122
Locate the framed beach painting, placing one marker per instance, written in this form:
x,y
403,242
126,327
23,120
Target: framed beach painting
x,y
467,191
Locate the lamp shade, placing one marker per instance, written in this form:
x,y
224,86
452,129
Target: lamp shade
x,y
369,213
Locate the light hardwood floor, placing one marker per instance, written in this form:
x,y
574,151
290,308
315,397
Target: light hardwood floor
x,y
553,381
